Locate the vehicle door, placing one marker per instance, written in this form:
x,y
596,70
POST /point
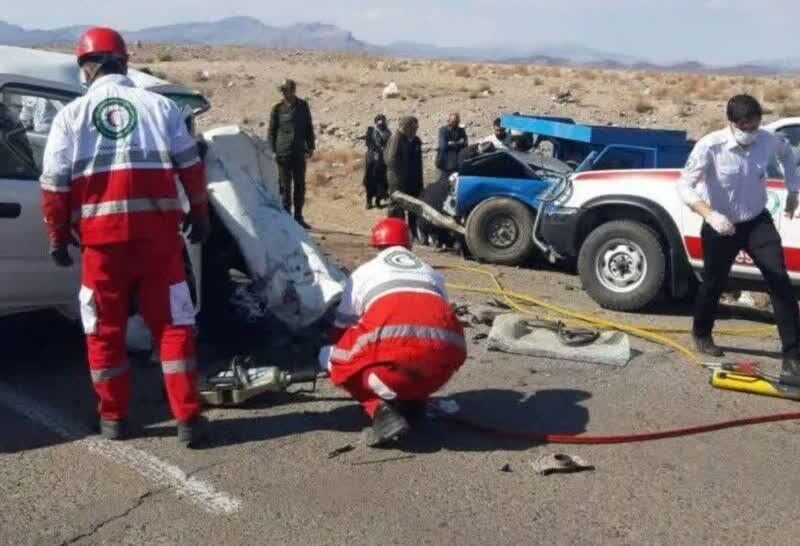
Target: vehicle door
x,y
743,266
28,278
776,202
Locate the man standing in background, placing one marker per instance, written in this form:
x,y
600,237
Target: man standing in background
x,y
404,165
452,142
291,136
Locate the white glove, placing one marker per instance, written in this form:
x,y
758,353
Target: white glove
x,y
721,224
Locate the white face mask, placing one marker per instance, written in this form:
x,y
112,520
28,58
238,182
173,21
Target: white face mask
x,y
743,138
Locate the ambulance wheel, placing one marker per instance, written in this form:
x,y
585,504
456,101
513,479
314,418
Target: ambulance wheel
x,y
622,265
500,231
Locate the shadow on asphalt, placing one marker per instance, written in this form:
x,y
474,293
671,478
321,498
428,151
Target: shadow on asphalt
x,y
547,411
43,358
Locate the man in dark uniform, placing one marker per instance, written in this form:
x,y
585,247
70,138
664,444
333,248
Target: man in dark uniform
x,y
291,135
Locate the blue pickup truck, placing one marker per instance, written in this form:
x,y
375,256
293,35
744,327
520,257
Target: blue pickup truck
x,y
495,196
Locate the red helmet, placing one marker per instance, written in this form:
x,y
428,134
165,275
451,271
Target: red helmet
x,y
390,232
101,41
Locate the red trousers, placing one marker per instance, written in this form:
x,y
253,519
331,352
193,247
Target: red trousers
x,y
154,271
388,381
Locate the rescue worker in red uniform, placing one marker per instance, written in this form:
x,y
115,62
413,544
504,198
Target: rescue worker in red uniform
x,y
109,173
396,338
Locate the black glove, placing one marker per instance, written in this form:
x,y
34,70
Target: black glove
x,y
199,227
59,252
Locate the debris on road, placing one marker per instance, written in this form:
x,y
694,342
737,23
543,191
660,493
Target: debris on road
x,y
560,463
341,451
517,334
443,406
506,468
381,461
485,314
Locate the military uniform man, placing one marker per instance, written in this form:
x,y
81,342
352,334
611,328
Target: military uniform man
x,y
291,135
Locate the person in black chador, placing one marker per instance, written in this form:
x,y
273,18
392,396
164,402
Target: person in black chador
x,y
375,166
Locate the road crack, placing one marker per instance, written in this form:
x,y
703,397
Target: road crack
x,y
136,504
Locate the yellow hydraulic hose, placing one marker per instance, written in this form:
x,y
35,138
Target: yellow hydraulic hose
x,y
651,334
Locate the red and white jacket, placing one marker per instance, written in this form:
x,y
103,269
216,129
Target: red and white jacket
x,y
110,166
394,310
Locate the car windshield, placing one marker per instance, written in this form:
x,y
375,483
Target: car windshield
x,y
792,134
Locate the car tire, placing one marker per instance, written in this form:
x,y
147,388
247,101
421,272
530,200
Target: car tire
x,y
500,231
622,265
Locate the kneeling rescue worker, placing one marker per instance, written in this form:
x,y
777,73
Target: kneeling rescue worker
x,y
397,340
109,172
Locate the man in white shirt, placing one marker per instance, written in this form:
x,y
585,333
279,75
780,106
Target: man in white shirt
x,y
500,139
724,181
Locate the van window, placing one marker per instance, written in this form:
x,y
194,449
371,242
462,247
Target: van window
x,y
792,134
26,116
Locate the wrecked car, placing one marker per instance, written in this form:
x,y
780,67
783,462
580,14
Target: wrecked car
x,y
256,257
494,198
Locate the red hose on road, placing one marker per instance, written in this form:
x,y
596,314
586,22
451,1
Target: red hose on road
x,y
575,439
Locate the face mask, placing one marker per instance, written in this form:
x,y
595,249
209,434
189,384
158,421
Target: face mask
x,y
743,138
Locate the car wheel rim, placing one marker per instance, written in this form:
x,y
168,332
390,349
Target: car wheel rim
x,y
502,231
621,266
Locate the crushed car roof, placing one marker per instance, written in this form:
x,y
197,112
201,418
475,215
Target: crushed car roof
x,y
56,67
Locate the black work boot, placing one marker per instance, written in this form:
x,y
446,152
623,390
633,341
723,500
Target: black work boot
x,y
790,371
414,411
299,219
369,203
387,426
706,346
114,429
193,432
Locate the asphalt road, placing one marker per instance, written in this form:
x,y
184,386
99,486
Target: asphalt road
x,y
267,477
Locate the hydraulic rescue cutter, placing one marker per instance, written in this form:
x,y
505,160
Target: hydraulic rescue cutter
x,y
749,377
243,381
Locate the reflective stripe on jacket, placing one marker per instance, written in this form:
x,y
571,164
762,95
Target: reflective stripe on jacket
x,y
111,162
395,310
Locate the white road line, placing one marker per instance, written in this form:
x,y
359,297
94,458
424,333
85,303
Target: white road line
x,y
195,491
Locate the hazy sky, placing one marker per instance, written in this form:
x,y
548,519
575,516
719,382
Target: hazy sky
x,y
718,31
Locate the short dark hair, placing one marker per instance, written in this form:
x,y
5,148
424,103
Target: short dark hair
x,y
107,64
497,122
743,108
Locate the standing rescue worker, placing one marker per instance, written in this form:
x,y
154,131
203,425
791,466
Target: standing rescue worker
x,y
396,338
724,181
110,169
291,135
